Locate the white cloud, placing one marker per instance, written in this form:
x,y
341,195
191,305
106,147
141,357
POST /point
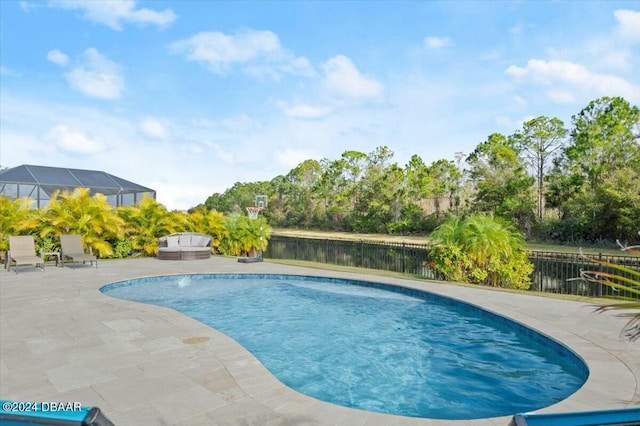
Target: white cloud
x,y
516,72
343,79
561,97
291,157
227,157
605,52
179,195
153,128
518,30
8,72
258,52
23,148
509,124
437,42
628,24
299,65
96,76
114,14
616,59
554,73
219,50
72,140
305,111
519,100
342,87
490,55
504,122
227,129
614,49
57,57
28,6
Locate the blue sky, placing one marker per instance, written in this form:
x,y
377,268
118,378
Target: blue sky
x,y
189,97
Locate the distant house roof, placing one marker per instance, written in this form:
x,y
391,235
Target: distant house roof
x,y
51,179
64,177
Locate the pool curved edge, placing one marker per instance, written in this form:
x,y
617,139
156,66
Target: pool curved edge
x,y
101,344
610,380
561,354
583,397
549,342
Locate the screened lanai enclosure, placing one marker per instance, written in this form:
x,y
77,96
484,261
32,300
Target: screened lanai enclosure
x,y
40,182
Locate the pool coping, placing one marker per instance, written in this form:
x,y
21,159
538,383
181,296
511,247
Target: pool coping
x,y
131,360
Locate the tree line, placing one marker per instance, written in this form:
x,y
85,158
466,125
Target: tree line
x,y
554,183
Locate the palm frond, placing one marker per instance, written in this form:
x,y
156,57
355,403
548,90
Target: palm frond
x,y
631,330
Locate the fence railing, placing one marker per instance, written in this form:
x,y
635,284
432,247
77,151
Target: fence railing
x,y
556,272
553,271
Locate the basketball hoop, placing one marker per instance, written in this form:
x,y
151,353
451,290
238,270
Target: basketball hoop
x,y
253,212
261,201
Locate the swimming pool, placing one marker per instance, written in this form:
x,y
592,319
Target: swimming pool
x,y
373,346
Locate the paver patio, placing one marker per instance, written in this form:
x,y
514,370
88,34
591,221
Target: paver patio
x,y
63,340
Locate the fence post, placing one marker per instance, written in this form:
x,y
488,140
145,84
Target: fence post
x,y
600,270
404,256
362,253
326,250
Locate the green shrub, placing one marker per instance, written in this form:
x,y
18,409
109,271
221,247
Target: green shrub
x,y
122,248
451,261
482,250
46,244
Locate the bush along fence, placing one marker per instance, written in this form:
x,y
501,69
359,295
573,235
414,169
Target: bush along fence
x,y
553,271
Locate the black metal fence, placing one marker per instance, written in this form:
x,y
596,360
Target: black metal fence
x,y
557,273
553,271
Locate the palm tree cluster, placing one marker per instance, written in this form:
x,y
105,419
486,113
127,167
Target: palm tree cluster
x,y
123,231
481,249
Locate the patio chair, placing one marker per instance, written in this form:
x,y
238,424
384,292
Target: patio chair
x,y
71,248
22,251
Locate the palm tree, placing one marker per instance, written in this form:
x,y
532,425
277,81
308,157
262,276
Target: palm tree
x,y
259,232
487,249
233,245
209,222
490,242
448,232
78,212
488,237
17,218
148,221
244,236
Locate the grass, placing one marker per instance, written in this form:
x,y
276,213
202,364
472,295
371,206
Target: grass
x,y
574,249
416,239
349,236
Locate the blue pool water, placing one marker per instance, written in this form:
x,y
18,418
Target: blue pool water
x,y
375,347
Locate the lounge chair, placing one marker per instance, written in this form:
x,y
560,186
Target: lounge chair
x,y
22,251
71,248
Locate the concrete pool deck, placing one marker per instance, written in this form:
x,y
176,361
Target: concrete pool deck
x,y
62,340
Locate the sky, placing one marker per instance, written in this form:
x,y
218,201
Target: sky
x,y
189,97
